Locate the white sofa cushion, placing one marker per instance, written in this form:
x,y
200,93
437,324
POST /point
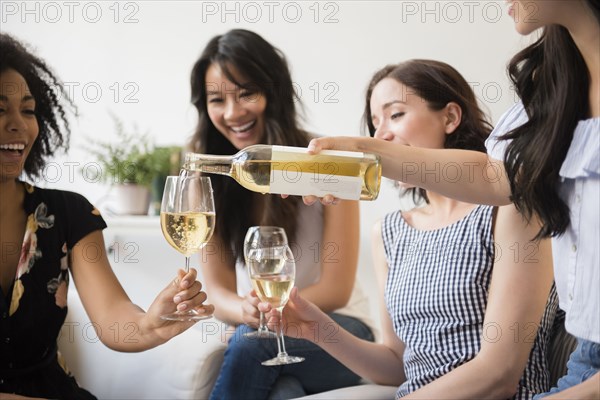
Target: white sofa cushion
x,y
186,367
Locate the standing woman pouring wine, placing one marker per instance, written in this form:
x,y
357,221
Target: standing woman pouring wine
x,y
546,152
243,92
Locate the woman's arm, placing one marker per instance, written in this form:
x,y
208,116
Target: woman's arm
x,y
379,362
389,336
464,175
519,289
338,256
218,273
110,309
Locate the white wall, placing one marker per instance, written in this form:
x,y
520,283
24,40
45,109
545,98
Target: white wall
x,y
133,58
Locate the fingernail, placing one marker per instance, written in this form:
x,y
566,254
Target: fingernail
x,y
177,299
182,306
185,283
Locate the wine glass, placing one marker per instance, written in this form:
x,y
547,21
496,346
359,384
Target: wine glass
x,y
187,220
259,237
273,271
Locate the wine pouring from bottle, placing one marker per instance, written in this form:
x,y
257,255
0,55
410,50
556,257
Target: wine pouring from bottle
x,y
291,170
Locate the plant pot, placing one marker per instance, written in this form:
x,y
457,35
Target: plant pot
x,y
130,199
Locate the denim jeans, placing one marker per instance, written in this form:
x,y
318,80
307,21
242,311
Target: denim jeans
x,y
243,377
582,365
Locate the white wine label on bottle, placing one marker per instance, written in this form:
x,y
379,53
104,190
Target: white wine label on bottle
x,y
295,172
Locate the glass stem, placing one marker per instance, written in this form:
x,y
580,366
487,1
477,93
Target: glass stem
x,y
187,265
280,341
262,327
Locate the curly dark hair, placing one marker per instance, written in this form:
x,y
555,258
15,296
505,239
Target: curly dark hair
x,y
267,70
50,108
552,80
438,84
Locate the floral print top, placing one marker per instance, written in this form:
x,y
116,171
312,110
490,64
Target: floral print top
x,y
34,309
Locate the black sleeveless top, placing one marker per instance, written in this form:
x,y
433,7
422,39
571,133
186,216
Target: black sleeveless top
x,y
35,307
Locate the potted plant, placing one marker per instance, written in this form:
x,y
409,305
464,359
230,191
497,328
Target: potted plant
x,y
131,165
165,161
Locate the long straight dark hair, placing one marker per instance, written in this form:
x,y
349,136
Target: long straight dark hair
x,y
266,71
438,84
552,80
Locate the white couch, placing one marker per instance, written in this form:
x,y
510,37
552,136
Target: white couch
x,y
183,368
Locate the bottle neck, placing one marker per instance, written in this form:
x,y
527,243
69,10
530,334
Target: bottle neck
x,y
208,163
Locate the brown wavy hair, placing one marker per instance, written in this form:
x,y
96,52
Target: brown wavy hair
x,y
438,84
267,72
552,80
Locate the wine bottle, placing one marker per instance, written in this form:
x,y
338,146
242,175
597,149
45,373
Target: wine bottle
x,y
291,170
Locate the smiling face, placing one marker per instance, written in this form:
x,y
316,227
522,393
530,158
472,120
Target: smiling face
x,y
18,124
238,113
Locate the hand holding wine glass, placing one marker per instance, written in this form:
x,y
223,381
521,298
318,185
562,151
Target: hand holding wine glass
x,y
306,319
187,219
273,271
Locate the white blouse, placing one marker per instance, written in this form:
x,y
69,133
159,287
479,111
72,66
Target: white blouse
x,y
576,253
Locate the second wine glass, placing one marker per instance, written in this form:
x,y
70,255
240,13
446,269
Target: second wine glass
x,y
273,272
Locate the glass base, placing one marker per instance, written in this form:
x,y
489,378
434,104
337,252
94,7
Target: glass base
x,y
190,315
261,334
282,360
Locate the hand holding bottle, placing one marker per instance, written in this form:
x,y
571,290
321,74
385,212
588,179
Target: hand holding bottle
x,y
329,143
345,143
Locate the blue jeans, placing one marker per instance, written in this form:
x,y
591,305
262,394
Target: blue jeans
x,y
243,377
583,363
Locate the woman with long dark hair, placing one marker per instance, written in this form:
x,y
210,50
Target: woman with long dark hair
x,y
544,157
244,95
448,288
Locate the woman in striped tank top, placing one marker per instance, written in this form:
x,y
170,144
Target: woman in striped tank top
x,y
468,303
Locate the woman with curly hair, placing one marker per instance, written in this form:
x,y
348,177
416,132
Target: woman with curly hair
x,y
45,234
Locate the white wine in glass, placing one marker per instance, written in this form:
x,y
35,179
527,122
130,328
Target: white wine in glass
x,y
187,232
273,271
187,220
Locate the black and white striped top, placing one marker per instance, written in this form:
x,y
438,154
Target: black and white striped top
x,y
436,294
